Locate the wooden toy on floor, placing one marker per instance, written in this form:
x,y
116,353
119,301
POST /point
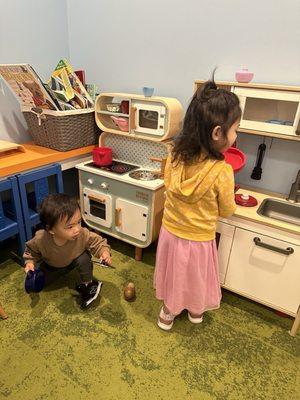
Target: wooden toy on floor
x,y
129,292
2,313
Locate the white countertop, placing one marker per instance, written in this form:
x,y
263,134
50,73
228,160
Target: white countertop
x,y
250,213
152,185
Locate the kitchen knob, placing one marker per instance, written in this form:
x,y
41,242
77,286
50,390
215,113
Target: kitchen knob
x,y
104,185
90,181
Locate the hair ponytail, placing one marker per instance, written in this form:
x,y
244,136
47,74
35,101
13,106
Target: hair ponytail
x,y
209,107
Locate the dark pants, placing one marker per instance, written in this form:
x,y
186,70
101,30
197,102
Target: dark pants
x,y
83,265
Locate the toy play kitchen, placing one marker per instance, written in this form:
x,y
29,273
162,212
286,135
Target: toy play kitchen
x,y
259,246
123,195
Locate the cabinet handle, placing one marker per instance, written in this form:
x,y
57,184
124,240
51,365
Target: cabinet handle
x,y
287,251
98,199
117,217
132,118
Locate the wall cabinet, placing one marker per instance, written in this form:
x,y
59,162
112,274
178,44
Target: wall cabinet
x,y
271,111
267,110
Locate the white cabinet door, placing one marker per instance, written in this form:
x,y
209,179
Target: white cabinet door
x,y
131,219
224,240
265,274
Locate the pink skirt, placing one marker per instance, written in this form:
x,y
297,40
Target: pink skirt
x,y
186,274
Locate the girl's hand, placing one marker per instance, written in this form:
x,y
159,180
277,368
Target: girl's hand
x,y
105,256
28,267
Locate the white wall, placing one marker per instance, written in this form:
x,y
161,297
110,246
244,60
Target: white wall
x,y
125,45
34,32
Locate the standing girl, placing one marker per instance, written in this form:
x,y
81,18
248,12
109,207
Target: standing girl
x,y
199,189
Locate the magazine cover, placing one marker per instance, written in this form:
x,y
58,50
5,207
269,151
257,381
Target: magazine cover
x,y
27,86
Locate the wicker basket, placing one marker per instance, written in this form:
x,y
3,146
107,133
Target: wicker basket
x,y
62,130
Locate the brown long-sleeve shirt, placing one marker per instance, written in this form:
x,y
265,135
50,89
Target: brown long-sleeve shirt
x,y
43,248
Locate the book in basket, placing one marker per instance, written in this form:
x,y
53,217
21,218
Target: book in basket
x,y
27,86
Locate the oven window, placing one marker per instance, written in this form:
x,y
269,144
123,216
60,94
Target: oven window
x,y
98,209
148,119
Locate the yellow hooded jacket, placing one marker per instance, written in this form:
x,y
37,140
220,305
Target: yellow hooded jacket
x,y
196,195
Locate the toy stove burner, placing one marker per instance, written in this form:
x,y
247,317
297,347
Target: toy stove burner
x,y
116,167
245,200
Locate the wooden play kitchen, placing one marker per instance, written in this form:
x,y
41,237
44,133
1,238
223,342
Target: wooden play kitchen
x,y
125,198
259,256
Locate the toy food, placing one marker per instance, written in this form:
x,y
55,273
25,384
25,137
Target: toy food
x,y
129,292
113,107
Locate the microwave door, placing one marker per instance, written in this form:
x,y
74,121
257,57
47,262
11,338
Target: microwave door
x,y
150,119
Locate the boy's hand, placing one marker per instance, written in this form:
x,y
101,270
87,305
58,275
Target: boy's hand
x,y
105,256
28,267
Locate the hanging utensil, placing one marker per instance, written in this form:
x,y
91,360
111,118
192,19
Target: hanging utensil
x,y
257,170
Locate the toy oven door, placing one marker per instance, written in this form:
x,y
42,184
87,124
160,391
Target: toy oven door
x,y
97,207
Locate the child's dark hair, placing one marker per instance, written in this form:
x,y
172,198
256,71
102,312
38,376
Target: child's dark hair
x,y
208,108
55,207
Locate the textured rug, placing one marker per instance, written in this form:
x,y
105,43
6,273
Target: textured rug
x,y
50,349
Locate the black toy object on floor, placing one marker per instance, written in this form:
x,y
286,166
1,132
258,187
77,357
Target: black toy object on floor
x,y
257,171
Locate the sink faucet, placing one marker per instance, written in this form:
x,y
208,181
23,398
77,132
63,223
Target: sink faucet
x,y
295,190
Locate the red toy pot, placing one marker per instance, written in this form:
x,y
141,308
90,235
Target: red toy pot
x,y
102,156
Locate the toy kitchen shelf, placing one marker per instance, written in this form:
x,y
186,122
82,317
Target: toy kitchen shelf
x,y
267,110
151,118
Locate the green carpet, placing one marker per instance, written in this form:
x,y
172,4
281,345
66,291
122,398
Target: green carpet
x,y
50,349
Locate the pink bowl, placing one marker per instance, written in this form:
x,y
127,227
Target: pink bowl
x,y
122,123
244,75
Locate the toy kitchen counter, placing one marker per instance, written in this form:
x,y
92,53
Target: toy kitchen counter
x,y
125,199
274,219
15,161
259,252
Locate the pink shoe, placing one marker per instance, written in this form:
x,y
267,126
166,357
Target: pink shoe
x,y
195,320
166,317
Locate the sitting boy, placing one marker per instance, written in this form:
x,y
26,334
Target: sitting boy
x,y
65,245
